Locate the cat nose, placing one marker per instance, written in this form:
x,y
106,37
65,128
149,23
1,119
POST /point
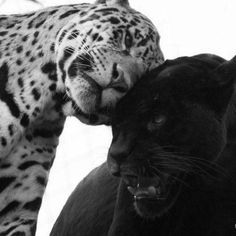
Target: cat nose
x,y
118,153
118,80
116,72
114,167
114,164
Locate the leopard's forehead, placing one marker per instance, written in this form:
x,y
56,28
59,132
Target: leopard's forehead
x,y
107,26
102,18
114,14
122,19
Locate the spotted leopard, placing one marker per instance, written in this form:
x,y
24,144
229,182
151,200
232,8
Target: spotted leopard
x,y
66,60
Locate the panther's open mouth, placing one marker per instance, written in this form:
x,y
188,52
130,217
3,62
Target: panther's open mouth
x,y
150,192
152,196
147,188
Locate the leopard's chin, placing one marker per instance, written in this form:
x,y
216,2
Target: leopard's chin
x,y
86,106
97,117
154,199
91,103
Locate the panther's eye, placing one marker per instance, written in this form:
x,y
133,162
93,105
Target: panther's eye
x,y
159,120
128,40
156,123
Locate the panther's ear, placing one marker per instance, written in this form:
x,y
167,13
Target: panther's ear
x,y
223,86
226,73
124,3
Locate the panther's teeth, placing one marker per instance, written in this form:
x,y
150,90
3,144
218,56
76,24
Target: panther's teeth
x,y
131,190
158,189
151,190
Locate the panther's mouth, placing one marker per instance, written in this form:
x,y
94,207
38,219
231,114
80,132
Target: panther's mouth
x,y
155,193
148,188
152,196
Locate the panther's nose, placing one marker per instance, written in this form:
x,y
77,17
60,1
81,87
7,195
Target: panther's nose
x,y
118,152
113,164
116,157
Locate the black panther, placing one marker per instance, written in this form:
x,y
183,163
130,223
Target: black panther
x,y
174,149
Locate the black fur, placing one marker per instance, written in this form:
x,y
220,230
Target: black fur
x,y
196,95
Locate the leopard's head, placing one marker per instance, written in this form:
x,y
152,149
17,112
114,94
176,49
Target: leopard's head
x,y
170,129
101,53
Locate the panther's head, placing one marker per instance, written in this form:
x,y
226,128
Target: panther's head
x,y
101,53
170,128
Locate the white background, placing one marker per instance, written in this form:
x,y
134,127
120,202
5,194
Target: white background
x,y
187,27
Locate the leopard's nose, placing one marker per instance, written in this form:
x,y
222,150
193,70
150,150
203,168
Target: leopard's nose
x,y
118,80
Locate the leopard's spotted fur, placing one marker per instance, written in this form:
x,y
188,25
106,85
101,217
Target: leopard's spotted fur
x,y
65,60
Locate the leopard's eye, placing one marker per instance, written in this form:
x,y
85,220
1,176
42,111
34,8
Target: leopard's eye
x,y
128,40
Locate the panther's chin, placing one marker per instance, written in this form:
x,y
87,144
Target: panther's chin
x,y
150,207
153,197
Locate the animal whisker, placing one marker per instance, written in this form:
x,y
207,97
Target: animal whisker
x,y
186,165
88,59
159,172
193,160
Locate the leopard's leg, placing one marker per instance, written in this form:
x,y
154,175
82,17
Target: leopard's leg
x,y
23,178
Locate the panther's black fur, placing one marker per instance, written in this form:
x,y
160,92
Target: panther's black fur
x,y
196,98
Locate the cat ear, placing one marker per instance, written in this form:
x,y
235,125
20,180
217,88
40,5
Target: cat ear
x,y
124,3
226,73
222,90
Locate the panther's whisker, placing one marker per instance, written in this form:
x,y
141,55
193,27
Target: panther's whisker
x,y
190,165
189,169
171,176
198,162
180,181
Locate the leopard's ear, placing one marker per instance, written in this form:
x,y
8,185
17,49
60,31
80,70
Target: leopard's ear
x,y
124,3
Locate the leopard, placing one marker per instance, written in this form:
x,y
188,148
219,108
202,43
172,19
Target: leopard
x,y
70,60
172,158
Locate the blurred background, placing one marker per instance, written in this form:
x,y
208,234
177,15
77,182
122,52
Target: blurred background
x,y
187,27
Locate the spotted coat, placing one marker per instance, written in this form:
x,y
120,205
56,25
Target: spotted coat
x,y
66,60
